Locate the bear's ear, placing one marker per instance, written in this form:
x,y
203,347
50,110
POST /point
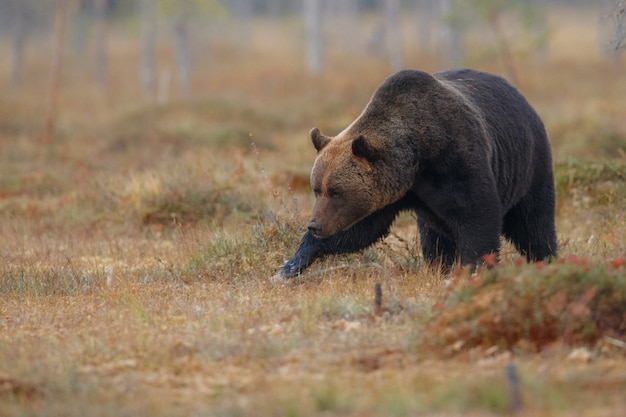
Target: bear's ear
x,y
362,149
319,140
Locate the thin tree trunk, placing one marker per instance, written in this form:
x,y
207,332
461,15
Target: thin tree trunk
x,y
425,19
313,29
455,55
183,55
618,43
394,34
274,8
242,12
505,50
101,43
19,42
344,15
148,36
57,64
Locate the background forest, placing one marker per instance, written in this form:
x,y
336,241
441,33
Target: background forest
x,y
154,174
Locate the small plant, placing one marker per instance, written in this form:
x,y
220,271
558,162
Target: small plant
x,y
571,300
604,181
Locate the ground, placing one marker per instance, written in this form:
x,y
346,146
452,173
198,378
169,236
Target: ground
x,y
138,243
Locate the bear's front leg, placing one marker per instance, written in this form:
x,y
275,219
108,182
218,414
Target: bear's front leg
x,y
469,212
308,251
478,236
359,236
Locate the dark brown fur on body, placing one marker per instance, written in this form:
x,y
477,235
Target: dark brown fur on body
x,y
461,148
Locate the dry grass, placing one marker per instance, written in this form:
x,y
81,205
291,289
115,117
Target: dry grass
x,y
137,248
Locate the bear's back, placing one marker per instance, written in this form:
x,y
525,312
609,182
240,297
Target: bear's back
x,y
501,104
520,147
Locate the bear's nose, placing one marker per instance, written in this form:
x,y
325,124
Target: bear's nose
x,y
314,227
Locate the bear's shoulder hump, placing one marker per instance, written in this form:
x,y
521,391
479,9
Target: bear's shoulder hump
x,y
407,80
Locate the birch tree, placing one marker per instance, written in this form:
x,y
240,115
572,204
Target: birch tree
x,y
313,28
425,17
242,12
615,22
393,32
55,73
182,13
100,12
455,24
19,42
183,51
491,12
148,39
20,18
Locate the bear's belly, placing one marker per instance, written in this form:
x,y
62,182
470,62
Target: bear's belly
x,y
426,215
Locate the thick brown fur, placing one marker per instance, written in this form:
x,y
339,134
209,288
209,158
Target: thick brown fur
x,y
463,149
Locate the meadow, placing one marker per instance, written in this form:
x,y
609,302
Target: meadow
x,y
137,247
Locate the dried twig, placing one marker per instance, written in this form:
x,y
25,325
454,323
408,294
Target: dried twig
x,y
515,391
378,298
615,342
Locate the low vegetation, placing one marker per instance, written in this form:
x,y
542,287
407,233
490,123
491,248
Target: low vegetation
x,y
530,307
138,245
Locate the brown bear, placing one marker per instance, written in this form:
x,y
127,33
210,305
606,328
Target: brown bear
x,y
463,149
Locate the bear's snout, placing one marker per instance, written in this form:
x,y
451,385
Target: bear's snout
x,y
315,228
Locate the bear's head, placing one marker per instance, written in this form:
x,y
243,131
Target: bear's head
x,y
350,179
374,161
343,182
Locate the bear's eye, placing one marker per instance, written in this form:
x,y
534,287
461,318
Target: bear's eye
x,y
334,192
316,192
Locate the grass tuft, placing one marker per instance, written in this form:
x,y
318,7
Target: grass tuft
x,y
602,181
239,256
50,280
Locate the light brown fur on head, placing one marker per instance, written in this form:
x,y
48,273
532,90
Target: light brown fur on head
x,y
344,183
372,163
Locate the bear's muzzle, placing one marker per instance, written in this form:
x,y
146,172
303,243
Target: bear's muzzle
x,y
315,228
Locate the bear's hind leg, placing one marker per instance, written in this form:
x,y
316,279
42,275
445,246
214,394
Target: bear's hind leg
x,y
438,250
530,227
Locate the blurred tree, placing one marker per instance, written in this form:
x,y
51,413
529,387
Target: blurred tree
x,y
59,32
491,12
100,13
426,15
313,27
617,42
456,23
535,20
342,21
281,7
241,10
182,12
148,41
19,41
393,32
619,22
274,7
80,30
19,19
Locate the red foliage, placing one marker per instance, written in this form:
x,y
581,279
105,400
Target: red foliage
x,y
490,259
618,262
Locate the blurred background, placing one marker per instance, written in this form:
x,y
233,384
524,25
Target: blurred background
x,y
163,50
156,113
